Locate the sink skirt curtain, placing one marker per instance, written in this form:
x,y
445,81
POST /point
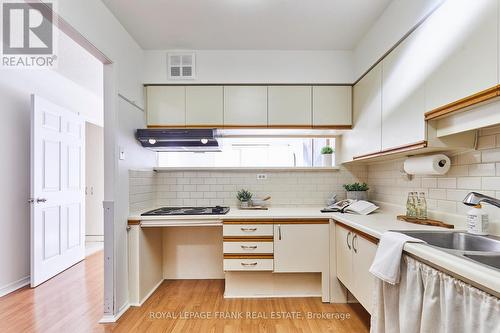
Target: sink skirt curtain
x,y
427,300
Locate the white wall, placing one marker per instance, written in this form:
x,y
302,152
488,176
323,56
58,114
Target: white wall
x,y
247,66
94,21
129,118
14,192
397,19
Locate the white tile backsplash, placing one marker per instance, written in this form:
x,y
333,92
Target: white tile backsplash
x,y
195,188
477,170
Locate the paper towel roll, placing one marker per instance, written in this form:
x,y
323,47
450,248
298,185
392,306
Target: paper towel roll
x,y
438,164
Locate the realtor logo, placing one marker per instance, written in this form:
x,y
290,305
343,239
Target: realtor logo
x,y
28,34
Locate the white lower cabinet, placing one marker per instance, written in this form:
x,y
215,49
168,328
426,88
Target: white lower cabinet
x,y
300,247
354,256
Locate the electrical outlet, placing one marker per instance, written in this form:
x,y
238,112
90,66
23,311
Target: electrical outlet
x,y
261,176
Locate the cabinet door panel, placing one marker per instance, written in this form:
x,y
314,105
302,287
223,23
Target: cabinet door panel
x,y
300,247
363,279
403,95
365,138
204,105
166,105
332,105
289,105
465,55
245,106
344,256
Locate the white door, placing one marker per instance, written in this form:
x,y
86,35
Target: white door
x,y
57,194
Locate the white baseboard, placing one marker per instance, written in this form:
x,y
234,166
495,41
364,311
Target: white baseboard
x,y
13,286
94,238
148,295
273,296
107,318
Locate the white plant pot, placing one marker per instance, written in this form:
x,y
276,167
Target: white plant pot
x,y
244,204
327,160
357,195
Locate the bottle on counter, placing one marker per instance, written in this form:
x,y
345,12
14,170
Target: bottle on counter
x,y
477,220
421,206
411,205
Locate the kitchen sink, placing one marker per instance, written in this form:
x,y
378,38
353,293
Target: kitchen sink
x,y
490,260
456,240
484,250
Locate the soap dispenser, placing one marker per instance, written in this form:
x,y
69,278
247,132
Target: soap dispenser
x,y
477,220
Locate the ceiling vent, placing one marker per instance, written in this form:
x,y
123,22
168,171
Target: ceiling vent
x,y
180,66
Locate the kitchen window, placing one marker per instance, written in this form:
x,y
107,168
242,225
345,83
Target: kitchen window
x,y
253,152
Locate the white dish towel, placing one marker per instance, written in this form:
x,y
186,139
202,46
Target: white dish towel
x,y
386,265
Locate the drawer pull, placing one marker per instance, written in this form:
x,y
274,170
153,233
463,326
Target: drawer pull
x,y
248,229
248,247
249,263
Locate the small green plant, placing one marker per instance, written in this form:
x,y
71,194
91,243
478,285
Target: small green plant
x,y
326,150
356,187
244,195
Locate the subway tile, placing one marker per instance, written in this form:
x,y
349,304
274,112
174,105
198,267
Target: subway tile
x,y
486,142
447,182
456,195
437,193
484,169
490,183
489,130
473,183
447,206
490,155
469,157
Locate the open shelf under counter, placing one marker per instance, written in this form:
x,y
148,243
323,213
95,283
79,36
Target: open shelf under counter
x,y
288,169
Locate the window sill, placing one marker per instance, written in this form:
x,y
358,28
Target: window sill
x,y
289,169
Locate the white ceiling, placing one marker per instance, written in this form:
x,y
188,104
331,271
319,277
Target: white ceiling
x,y
247,24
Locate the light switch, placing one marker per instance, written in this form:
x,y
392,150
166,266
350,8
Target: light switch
x,y
122,153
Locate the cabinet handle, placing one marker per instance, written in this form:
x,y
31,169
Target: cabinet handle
x,y
347,240
248,247
353,239
248,229
249,263
279,232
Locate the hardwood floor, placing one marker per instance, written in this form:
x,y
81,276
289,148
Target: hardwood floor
x,y
69,302
72,302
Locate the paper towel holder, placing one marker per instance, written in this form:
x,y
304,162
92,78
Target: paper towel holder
x,y
405,175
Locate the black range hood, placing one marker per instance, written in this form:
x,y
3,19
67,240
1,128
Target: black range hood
x,y
174,139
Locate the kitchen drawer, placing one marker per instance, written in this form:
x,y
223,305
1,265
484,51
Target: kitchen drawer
x,y
248,247
248,264
248,230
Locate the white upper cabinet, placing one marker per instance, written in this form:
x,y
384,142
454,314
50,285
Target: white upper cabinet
x,y
403,95
204,106
289,106
463,53
332,105
367,113
166,105
245,106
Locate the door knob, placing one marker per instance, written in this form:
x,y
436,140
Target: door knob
x,y
39,200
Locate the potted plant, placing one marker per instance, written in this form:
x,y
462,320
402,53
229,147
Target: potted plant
x,y
356,191
244,197
326,153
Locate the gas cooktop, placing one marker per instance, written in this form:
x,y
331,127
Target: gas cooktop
x,y
217,210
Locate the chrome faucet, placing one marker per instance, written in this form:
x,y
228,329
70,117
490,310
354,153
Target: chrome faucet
x,y
474,198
